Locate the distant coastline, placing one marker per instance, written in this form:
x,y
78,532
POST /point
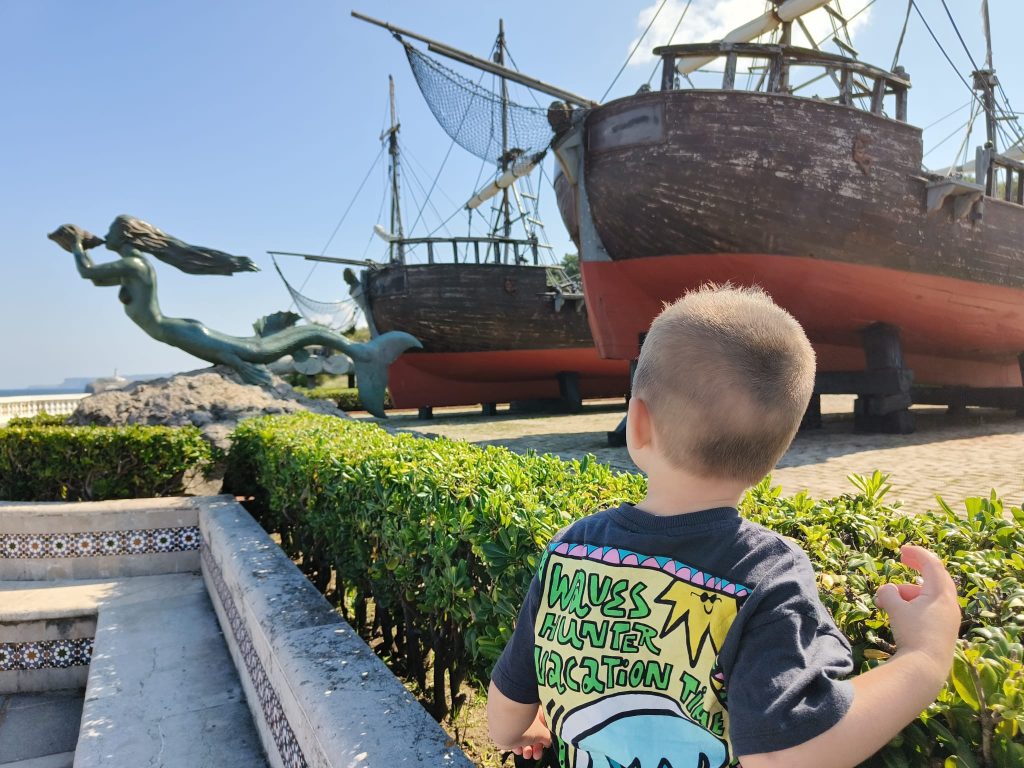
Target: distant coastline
x,y
73,385
41,391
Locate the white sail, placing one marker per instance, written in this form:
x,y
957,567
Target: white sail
x,y
502,182
754,29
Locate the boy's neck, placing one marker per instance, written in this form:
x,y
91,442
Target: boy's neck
x,y
680,493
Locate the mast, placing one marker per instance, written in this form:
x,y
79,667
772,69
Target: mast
x,y
506,214
985,81
397,241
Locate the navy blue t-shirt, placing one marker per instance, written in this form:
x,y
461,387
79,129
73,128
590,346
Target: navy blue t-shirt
x,y
675,641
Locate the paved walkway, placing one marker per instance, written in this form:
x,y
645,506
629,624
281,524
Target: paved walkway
x,y
39,730
954,456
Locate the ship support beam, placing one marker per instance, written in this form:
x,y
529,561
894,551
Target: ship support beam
x,y
569,391
1020,362
883,389
889,411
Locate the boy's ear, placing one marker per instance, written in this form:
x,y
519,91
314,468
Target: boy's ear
x,y
638,424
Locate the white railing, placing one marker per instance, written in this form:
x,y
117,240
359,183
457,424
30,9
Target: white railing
x,y
30,405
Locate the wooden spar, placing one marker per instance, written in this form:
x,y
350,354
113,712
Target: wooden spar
x,y
506,214
487,66
396,206
328,259
988,34
501,184
985,81
763,24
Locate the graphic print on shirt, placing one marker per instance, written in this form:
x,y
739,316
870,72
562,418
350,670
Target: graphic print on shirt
x,y
626,650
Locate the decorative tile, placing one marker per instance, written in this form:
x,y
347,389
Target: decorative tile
x,y
46,654
288,746
22,546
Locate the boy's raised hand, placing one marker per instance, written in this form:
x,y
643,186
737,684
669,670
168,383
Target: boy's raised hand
x,y
924,617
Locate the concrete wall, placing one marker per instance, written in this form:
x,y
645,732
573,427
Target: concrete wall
x,y
318,694
45,654
95,540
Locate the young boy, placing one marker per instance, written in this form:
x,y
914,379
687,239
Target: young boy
x,y
675,634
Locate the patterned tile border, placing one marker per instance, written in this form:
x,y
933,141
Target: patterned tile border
x,y
284,737
25,546
45,654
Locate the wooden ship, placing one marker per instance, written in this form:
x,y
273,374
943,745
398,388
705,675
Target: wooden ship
x,y
910,284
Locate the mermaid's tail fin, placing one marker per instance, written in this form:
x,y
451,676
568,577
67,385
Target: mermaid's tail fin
x,y
371,361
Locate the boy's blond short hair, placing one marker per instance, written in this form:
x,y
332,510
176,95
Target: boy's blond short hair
x,y
726,375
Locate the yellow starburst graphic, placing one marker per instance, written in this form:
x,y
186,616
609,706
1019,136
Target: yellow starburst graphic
x,y
706,614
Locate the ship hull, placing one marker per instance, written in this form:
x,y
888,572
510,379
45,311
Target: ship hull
x,y
823,205
427,379
490,333
953,332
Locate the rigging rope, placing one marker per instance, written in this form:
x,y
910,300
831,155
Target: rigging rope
x,y
948,115
635,47
337,315
671,38
947,138
335,232
963,145
961,37
903,33
942,50
440,170
472,115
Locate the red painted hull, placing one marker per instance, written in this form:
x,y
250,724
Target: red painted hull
x,y
954,332
420,379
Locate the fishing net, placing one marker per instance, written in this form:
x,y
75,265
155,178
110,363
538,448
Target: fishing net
x,y
339,316
472,115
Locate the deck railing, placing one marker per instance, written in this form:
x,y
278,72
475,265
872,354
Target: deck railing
x,y
854,80
32,405
496,250
990,166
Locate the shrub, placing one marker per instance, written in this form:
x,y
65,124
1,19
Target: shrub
x,y
47,463
346,398
444,537
41,419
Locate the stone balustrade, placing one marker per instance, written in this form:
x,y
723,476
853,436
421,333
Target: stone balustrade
x,y
31,405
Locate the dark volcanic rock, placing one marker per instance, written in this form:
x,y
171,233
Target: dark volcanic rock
x,y
213,399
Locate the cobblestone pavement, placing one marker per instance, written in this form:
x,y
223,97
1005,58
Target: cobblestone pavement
x,y
953,456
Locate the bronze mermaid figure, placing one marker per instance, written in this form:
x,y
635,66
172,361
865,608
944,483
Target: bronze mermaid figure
x,y
132,238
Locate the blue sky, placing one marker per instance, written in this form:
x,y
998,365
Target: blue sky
x,y
247,126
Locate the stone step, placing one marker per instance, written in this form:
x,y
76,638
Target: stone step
x,y
163,689
38,725
63,760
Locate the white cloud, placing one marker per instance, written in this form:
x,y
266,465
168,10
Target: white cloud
x,y
709,20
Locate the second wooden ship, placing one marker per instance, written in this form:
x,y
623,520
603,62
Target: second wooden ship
x,y
496,322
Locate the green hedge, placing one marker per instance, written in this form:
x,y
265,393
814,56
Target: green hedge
x,y
444,537
346,398
51,463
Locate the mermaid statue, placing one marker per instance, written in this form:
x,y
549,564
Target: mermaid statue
x,y
132,238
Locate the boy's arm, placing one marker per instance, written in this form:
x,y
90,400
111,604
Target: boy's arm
x,y
514,717
515,726
925,620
